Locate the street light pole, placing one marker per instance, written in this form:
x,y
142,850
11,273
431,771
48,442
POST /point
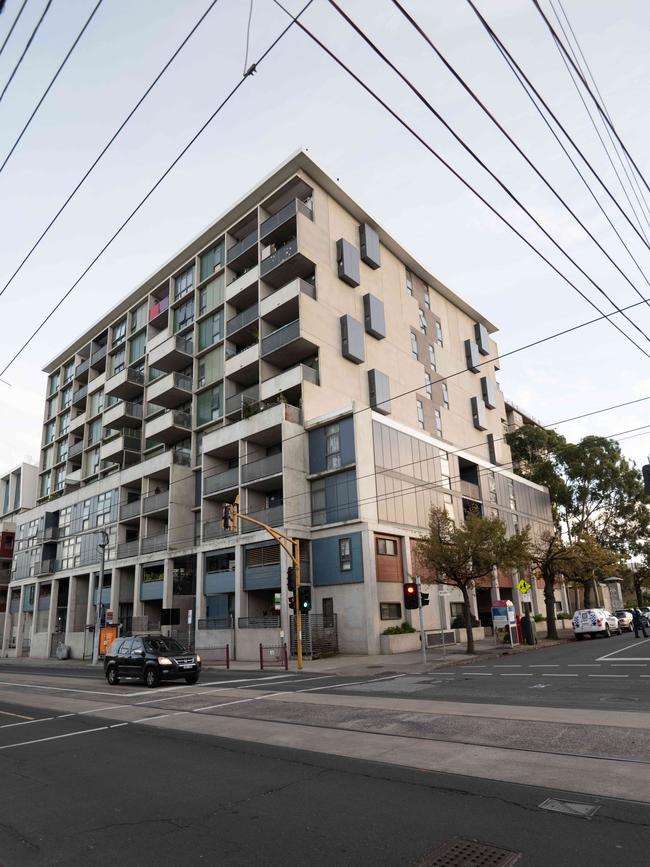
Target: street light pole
x,y
418,581
98,618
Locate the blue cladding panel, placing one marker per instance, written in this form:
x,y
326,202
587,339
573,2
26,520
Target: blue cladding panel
x,y
317,459
217,607
219,582
326,567
151,590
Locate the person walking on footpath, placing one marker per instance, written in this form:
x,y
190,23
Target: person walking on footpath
x,y
638,623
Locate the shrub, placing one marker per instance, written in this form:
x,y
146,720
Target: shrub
x,y
459,622
404,629
563,615
539,618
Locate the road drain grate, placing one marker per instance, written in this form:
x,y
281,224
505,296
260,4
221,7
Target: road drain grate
x,y
461,852
571,808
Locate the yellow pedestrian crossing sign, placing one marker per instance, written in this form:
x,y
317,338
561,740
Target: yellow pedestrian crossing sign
x,y
523,586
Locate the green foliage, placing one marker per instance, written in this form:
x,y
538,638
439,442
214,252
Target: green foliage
x,y
459,622
539,618
404,629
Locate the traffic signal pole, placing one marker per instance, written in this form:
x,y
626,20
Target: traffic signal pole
x,y
418,581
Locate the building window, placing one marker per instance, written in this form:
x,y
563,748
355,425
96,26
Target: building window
x,y
414,345
85,515
210,330
427,298
423,321
209,405
183,283
420,409
438,421
65,516
428,385
345,555
139,317
49,432
211,296
104,508
387,547
47,459
119,361
59,478
390,611
449,506
511,494
137,346
211,261
66,397
68,372
62,452
184,315
445,473
94,431
332,447
432,357
54,383
439,334
50,407
45,485
95,403
409,282
210,367
119,332
445,395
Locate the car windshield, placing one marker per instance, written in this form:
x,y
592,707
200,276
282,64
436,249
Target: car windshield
x,y
620,613
163,645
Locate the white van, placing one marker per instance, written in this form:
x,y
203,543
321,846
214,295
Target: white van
x,y
595,621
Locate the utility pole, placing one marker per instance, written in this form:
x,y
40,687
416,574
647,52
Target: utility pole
x,y
98,618
418,581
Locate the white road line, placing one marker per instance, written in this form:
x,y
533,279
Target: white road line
x,y
583,665
621,649
507,665
53,738
299,680
616,664
149,718
608,675
64,715
55,688
555,674
228,703
118,725
514,674
546,665
18,715
354,683
27,722
479,673
214,683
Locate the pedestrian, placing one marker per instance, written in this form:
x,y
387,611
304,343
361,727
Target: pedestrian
x,y
638,623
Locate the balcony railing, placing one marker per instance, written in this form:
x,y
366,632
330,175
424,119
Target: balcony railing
x,y
221,481
98,355
258,622
269,466
241,246
470,489
281,336
134,375
80,395
183,382
237,402
46,567
81,368
241,319
154,543
282,255
216,623
155,502
132,444
310,374
214,530
284,214
75,449
130,510
128,549
182,419
183,457
271,516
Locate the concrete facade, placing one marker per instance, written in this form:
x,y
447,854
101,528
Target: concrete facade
x,y
296,356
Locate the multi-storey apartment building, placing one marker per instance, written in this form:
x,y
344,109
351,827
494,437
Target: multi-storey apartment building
x,y
293,354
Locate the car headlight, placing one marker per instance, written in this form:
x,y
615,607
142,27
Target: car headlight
x,y
198,658
164,660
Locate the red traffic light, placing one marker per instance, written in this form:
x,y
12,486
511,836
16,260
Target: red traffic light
x,y
410,595
410,588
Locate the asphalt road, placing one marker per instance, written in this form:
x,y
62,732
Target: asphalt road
x,y
79,790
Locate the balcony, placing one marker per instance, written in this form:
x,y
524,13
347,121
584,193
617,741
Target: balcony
x,y
75,450
46,567
236,404
470,489
244,252
170,390
130,510
244,288
98,358
81,370
155,503
77,422
79,396
265,468
149,544
283,305
158,312
244,327
174,353
170,427
126,384
285,264
116,446
128,549
272,517
214,530
282,226
123,414
286,346
218,483
289,383
243,366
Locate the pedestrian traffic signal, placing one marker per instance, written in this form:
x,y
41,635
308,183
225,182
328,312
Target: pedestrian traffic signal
x,y
291,579
292,603
410,595
230,515
424,599
305,597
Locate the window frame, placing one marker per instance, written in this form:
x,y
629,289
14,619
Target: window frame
x,y
345,553
385,607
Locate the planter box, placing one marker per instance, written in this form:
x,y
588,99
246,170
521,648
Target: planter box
x,y
477,631
404,643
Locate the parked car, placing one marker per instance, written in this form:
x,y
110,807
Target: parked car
x,y
624,619
645,612
595,621
152,658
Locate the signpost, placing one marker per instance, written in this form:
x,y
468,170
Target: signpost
x,y
418,581
442,591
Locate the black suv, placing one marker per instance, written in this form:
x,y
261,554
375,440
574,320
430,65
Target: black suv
x,y
151,658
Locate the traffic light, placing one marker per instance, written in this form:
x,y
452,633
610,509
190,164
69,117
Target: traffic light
x,y
424,598
230,515
305,597
291,579
410,595
292,603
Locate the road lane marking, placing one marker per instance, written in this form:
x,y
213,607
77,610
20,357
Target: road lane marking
x,y
555,674
608,675
53,738
583,665
621,649
27,722
514,674
226,704
545,665
506,665
354,683
479,673
55,688
18,715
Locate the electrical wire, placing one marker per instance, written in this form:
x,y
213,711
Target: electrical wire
x,y
108,144
466,183
162,177
248,33
11,29
26,49
49,86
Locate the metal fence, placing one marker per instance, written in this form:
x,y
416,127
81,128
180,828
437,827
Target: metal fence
x,y
319,635
274,656
216,655
56,639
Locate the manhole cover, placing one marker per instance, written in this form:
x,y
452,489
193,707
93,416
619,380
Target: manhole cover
x,y
571,808
461,852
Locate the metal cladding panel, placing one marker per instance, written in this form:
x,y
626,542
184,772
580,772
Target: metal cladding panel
x,y
478,413
482,339
317,455
489,392
151,590
379,388
472,356
347,261
219,582
352,341
326,562
374,318
369,245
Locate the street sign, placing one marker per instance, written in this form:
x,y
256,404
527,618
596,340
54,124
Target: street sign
x,y
444,591
189,617
523,586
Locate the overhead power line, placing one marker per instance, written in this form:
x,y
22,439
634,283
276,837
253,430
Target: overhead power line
x,y
108,144
170,167
11,29
501,128
49,86
467,184
26,48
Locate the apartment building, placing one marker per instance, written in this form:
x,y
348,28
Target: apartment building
x,y
17,494
294,355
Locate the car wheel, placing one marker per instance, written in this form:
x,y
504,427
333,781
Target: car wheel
x,y
192,678
111,675
608,632
579,636
151,677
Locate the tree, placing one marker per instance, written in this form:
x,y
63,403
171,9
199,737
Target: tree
x,y
590,562
552,557
461,556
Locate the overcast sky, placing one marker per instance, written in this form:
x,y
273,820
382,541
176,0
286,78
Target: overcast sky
x,y
297,98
